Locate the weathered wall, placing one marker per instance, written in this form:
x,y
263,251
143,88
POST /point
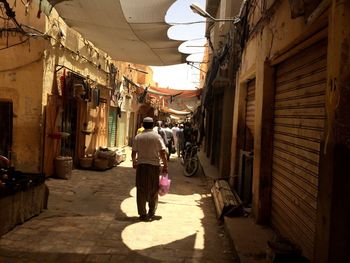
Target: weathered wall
x,y
268,40
97,123
69,49
27,73
21,73
128,101
332,236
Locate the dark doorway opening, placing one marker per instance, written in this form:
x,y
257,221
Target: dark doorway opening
x,y
6,117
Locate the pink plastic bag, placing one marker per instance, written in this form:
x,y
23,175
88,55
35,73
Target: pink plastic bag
x,y
164,184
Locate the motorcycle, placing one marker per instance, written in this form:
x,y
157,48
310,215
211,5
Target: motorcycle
x,y
190,159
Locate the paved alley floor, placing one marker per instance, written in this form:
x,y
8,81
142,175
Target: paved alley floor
x,y
93,218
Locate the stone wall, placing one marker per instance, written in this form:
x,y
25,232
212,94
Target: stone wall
x,y
21,206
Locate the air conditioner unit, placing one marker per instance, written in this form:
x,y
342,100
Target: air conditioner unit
x,y
245,176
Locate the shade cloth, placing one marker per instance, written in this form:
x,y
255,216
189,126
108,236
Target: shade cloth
x,y
128,30
175,92
175,112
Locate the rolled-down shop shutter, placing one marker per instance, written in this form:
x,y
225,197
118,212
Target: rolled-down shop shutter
x,y
299,119
245,172
250,116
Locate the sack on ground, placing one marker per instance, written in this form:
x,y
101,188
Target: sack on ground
x,y
164,184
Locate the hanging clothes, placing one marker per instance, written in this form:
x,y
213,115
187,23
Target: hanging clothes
x,y
95,98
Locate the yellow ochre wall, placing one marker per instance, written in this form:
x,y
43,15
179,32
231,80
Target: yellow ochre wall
x,y
27,74
269,41
21,73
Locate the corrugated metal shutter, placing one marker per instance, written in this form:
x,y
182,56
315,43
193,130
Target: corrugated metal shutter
x,y
250,116
112,126
299,119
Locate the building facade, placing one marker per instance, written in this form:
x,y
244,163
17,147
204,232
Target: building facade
x,y
59,94
289,132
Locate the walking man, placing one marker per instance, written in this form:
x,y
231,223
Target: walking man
x,y
147,150
174,131
170,139
180,140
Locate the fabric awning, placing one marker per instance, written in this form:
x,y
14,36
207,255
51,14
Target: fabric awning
x,y
175,112
152,91
128,30
176,92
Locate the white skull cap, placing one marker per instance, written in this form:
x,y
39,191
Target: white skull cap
x,y
148,119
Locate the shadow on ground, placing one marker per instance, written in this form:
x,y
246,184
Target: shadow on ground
x,y
93,218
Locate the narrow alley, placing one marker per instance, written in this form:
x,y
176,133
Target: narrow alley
x,y
254,95
93,218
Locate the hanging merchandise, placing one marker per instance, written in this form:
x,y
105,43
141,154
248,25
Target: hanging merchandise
x,y
78,91
119,112
95,98
87,91
141,98
112,76
62,83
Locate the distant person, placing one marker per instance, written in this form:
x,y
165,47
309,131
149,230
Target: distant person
x,y
180,140
188,133
147,150
140,130
170,139
158,128
195,134
174,131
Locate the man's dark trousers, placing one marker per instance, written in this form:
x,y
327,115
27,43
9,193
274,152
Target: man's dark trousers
x,y
147,185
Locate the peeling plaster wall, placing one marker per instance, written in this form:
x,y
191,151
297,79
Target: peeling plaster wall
x,y
272,38
65,46
27,74
280,31
268,41
69,49
21,73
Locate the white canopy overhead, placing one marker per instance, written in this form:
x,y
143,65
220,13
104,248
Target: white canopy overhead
x,y
128,30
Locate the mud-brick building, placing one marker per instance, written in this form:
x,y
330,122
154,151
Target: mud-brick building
x,y
127,108
290,129
49,73
59,94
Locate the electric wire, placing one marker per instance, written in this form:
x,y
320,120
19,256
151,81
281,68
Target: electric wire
x,y
16,44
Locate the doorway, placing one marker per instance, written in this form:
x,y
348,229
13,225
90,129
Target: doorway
x,y
6,116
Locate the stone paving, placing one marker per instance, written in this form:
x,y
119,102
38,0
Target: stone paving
x,y
93,218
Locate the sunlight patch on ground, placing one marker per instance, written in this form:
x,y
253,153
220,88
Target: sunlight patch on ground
x,y
173,206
